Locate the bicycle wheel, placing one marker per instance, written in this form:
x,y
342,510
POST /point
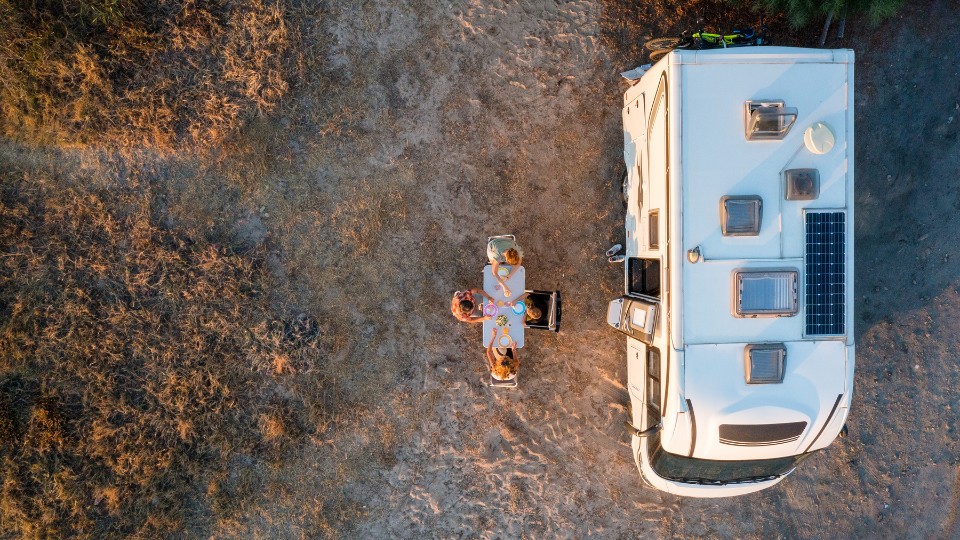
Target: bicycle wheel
x,y
657,44
656,55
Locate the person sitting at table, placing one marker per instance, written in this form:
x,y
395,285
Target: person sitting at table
x,y
504,362
464,303
504,250
531,312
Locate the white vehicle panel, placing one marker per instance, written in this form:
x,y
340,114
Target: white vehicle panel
x,y
718,160
815,375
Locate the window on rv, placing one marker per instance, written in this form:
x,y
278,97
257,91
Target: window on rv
x,y
654,226
643,277
657,102
640,179
653,386
715,472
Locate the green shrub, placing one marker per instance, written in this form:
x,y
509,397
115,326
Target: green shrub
x,y
802,12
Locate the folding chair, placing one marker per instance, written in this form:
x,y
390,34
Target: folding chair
x,y
549,303
510,236
509,383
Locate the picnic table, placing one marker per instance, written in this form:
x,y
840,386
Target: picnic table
x,y
511,324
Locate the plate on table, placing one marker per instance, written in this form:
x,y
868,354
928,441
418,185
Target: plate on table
x,y
503,272
505,340
501,320
490,309
519,308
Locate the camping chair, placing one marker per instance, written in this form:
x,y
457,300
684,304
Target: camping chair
x,y
549,304
510,236
509,383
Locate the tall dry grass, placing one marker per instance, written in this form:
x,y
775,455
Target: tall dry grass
x,y
137,365
160,73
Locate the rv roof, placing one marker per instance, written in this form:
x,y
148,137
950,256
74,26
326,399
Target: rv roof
x,y
713,159
815,377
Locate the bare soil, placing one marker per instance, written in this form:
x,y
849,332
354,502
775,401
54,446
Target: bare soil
x,y
409,133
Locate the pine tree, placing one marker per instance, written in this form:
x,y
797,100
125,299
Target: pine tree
x,y
802,12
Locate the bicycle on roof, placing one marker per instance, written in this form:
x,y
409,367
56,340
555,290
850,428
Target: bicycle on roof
x,y
657,48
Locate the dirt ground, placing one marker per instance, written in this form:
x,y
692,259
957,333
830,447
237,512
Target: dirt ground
x,y
420,128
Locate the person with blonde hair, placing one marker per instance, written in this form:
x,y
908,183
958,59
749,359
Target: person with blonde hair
x,y
503,361
531,312
504,250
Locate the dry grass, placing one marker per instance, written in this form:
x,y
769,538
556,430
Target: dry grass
x,y
136,364
159,73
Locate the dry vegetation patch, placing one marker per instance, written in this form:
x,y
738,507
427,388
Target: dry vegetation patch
x,y
137,72
137,364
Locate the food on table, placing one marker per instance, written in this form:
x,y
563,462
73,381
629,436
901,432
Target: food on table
x,y
501,320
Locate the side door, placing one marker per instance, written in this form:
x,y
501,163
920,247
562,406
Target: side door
x,y
644,382
636,379
653,393
637,313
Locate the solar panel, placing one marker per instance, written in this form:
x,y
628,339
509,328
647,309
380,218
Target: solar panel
x,y
825,273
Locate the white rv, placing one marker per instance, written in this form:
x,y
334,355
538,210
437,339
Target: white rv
x,y
738,304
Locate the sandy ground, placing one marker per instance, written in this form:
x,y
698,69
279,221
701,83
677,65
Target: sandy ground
x,y
442,123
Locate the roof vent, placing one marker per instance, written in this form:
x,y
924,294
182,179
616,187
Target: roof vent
x,y
819,138
764,364
768,120
740,216
765,293
802,184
